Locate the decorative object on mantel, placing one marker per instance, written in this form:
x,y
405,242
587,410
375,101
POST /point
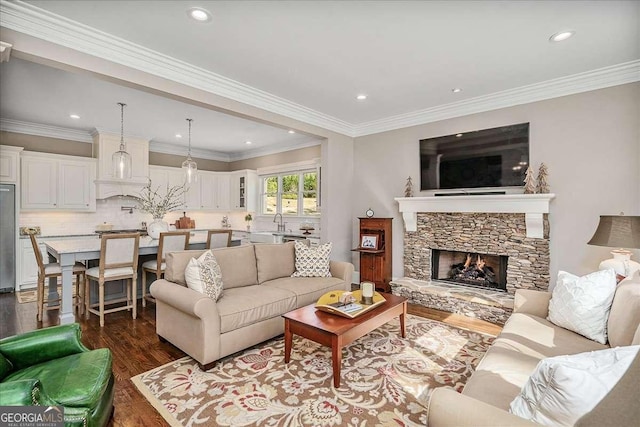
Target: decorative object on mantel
x,y
529,182
618,231
408,188
121,160
248,218
369,213
190,167
152,202
542,186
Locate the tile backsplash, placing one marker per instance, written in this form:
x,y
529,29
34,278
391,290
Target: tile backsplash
x,y
112,211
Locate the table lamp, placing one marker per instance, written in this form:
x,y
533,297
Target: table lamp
x,y
618,231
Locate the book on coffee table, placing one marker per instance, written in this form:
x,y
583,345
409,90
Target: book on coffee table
x,y
330,302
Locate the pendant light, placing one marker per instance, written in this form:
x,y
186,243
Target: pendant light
x,y
121,160
189,166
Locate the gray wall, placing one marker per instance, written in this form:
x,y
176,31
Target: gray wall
x,y
590,143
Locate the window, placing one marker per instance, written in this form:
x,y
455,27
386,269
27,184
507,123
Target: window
x,y
291,193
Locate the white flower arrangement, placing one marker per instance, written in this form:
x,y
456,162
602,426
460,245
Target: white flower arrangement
x,y
152,202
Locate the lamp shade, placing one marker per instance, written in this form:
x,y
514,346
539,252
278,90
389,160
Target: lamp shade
x,y
617,231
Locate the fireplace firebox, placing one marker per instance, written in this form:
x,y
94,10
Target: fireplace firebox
x,y
470,269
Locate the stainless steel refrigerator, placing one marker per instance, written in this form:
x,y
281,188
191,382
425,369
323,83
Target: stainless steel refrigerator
x,y
8,229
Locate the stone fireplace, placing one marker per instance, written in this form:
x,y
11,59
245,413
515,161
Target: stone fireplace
x,y
469,254
484,233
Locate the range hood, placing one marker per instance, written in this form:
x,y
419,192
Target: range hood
x,y
104,145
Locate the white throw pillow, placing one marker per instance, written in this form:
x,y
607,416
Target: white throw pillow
x,y
312,262
203,275
562,389
582,304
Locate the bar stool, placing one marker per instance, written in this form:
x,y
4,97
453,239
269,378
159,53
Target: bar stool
x,y
46,271
118,261
218,239
169,242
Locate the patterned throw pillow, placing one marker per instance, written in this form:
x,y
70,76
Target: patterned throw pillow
x,y
312,262
203,275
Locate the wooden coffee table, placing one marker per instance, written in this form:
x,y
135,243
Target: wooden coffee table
x,y
335,331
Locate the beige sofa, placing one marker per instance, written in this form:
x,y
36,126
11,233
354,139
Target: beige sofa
x,y
527,338
258,289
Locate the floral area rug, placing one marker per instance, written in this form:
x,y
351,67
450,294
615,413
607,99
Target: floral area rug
x,y
386,380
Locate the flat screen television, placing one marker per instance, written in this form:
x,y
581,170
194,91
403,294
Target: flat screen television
x,y
486,158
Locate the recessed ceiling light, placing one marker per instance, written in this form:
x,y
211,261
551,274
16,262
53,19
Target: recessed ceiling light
x,y
74,116
178,135
248,142
458,135
561,36
199,14
361,97
456,90
292,131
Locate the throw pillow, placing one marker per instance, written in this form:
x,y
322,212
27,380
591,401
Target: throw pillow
x,y
582,304
203,275
312,262
562,389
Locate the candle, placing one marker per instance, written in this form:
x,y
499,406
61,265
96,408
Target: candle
x,y
367,289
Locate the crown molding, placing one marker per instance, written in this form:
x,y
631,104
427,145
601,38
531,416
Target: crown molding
x,y
36,22
272,149
28,128
165,148
601,78
33,21
17,126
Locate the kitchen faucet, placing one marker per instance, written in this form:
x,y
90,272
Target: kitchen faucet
x,y
281,225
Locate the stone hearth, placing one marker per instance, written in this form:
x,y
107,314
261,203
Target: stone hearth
x,y
492,306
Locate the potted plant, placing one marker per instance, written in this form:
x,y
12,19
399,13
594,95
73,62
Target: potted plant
x,y
248,218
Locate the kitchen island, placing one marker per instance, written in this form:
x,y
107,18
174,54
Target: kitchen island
x,y
67,252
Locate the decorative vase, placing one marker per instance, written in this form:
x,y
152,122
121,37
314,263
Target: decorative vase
x,y
156,227
248,227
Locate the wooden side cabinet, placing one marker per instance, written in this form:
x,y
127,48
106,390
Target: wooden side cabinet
x,y
374,246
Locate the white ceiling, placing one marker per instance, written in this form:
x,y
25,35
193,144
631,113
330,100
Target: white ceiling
x,y
406,56
35,93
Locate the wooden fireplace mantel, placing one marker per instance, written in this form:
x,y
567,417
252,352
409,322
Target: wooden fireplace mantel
x,y
534,206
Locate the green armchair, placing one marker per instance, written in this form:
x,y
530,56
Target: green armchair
x,y
51,367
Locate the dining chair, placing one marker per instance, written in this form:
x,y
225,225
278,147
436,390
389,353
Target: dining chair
x,y
118,261
53,269
169,242
218,239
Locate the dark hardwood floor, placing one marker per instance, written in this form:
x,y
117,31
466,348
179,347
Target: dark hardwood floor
x,y
136,348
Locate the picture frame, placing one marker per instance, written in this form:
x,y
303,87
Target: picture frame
x,y
369,241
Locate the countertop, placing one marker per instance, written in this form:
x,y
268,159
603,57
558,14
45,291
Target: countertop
x,y
86,245
193,230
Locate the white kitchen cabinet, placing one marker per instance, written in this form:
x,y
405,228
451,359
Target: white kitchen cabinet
x,y
28,265
221,201
192,196
39,183
244,190
214,191
9,162
208,182
53,182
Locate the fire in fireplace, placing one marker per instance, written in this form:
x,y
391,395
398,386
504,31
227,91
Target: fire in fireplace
x,y
470,269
